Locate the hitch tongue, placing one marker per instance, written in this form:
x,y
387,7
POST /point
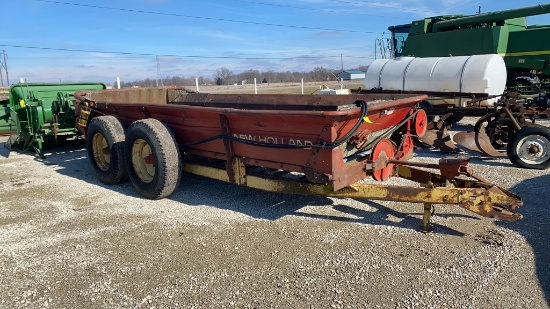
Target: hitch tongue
x,y
478,196
477,141
500,204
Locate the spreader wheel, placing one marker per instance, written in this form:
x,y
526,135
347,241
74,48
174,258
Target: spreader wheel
x,y
384,149
105,145
407,146
420,123
530,148
153,158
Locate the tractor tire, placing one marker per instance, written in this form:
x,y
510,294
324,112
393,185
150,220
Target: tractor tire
x,y
152,158
530,148
105,147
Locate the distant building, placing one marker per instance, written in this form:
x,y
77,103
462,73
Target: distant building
x,y
351,75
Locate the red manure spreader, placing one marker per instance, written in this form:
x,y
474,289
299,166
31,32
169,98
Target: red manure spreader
x,y
297,144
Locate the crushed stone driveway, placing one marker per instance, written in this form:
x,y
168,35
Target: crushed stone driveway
x,y
69,241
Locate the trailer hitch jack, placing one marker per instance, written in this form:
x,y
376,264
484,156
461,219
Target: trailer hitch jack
x,y
429,210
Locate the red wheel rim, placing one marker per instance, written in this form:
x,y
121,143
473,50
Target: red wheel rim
x,y
386,147
420,123
407,145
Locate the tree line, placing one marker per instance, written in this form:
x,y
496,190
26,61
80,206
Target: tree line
x,y
224,76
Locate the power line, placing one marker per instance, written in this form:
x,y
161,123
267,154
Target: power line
x,y
316,10
181,56
202,17
401,8
404,8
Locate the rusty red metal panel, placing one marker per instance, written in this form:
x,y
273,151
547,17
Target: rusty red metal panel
x,y
273,120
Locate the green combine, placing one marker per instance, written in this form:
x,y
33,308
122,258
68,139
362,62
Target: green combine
x,y
525,49
42,114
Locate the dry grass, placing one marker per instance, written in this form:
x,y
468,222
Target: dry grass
x,y
278,88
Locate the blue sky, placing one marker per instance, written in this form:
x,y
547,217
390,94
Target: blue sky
x,y
76,40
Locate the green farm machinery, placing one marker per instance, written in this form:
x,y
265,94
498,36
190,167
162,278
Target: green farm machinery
x,y
525,49
4,111
43,113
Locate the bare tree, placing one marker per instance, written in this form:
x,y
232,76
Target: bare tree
x,y
321,74
249,75
223,74
363,68
269,76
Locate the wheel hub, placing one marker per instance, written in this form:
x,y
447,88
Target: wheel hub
x,y
102,154
534,149
384,149
143,160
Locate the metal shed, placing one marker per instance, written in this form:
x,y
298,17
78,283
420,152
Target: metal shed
x,y
351,75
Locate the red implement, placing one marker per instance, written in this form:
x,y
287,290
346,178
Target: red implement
x,y
327,137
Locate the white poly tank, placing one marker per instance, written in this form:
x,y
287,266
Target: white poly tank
x,y
393,72
470,74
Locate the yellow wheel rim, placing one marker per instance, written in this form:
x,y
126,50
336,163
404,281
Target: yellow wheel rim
x,y
102,153
143,160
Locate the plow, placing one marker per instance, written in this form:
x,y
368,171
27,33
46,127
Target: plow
x,y
509,129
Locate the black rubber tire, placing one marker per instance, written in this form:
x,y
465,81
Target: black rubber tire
x,y
108,162
453,119
426,105
517,153
159,179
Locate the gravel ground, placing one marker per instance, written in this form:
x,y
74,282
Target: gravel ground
x,y
68,241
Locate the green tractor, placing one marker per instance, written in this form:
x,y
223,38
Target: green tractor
x,y
525,49
43,113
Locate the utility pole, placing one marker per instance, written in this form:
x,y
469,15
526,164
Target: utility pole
x,y
1,79
159,75
4,65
